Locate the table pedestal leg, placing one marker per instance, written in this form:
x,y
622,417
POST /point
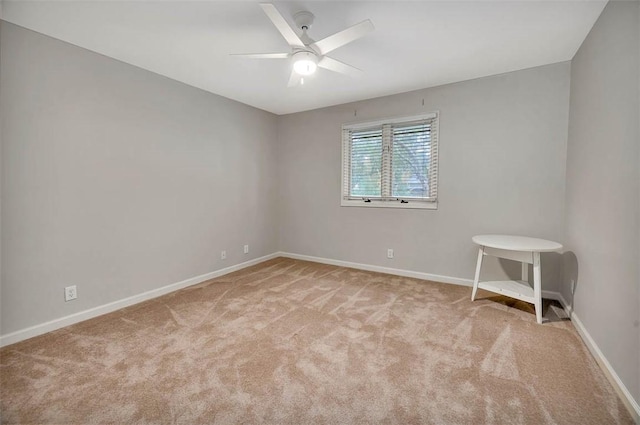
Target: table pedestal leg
x,y
477,277
537,286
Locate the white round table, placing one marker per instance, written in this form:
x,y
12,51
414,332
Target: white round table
x,y
519,248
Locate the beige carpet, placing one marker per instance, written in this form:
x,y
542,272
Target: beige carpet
x,y
293,342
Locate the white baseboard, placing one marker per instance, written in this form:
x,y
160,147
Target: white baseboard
x,y
399,272
613,378
553,295
52,325
380,269
604,364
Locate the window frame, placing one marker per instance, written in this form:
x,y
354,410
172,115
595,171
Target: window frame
x,y
391,202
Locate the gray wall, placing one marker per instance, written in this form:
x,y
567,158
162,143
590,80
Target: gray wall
x,y
502,163
603,189
120,181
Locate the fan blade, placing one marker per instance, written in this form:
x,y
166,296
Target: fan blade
x,y
282,25
337,66
343,37
263,55
294,79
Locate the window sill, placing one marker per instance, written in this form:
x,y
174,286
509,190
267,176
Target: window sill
x,y
390,204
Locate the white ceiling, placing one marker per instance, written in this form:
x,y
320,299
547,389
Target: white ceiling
x,y
416,44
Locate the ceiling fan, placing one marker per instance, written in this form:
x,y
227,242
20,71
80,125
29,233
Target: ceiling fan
x,y
307,54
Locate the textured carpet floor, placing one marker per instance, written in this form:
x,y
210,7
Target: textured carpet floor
x,y
293,342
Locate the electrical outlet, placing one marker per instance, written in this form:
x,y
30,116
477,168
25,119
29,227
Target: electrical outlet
x,y
246,249
70,293
223,255
389,253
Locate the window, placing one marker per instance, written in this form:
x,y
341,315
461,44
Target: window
x,y
391,163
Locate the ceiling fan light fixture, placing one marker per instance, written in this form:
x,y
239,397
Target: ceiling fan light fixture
x,y
305,63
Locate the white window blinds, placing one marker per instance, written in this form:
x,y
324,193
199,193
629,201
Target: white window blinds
x,y
366,163
392,161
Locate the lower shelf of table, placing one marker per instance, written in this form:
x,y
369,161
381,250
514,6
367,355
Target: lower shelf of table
x,y
518,289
